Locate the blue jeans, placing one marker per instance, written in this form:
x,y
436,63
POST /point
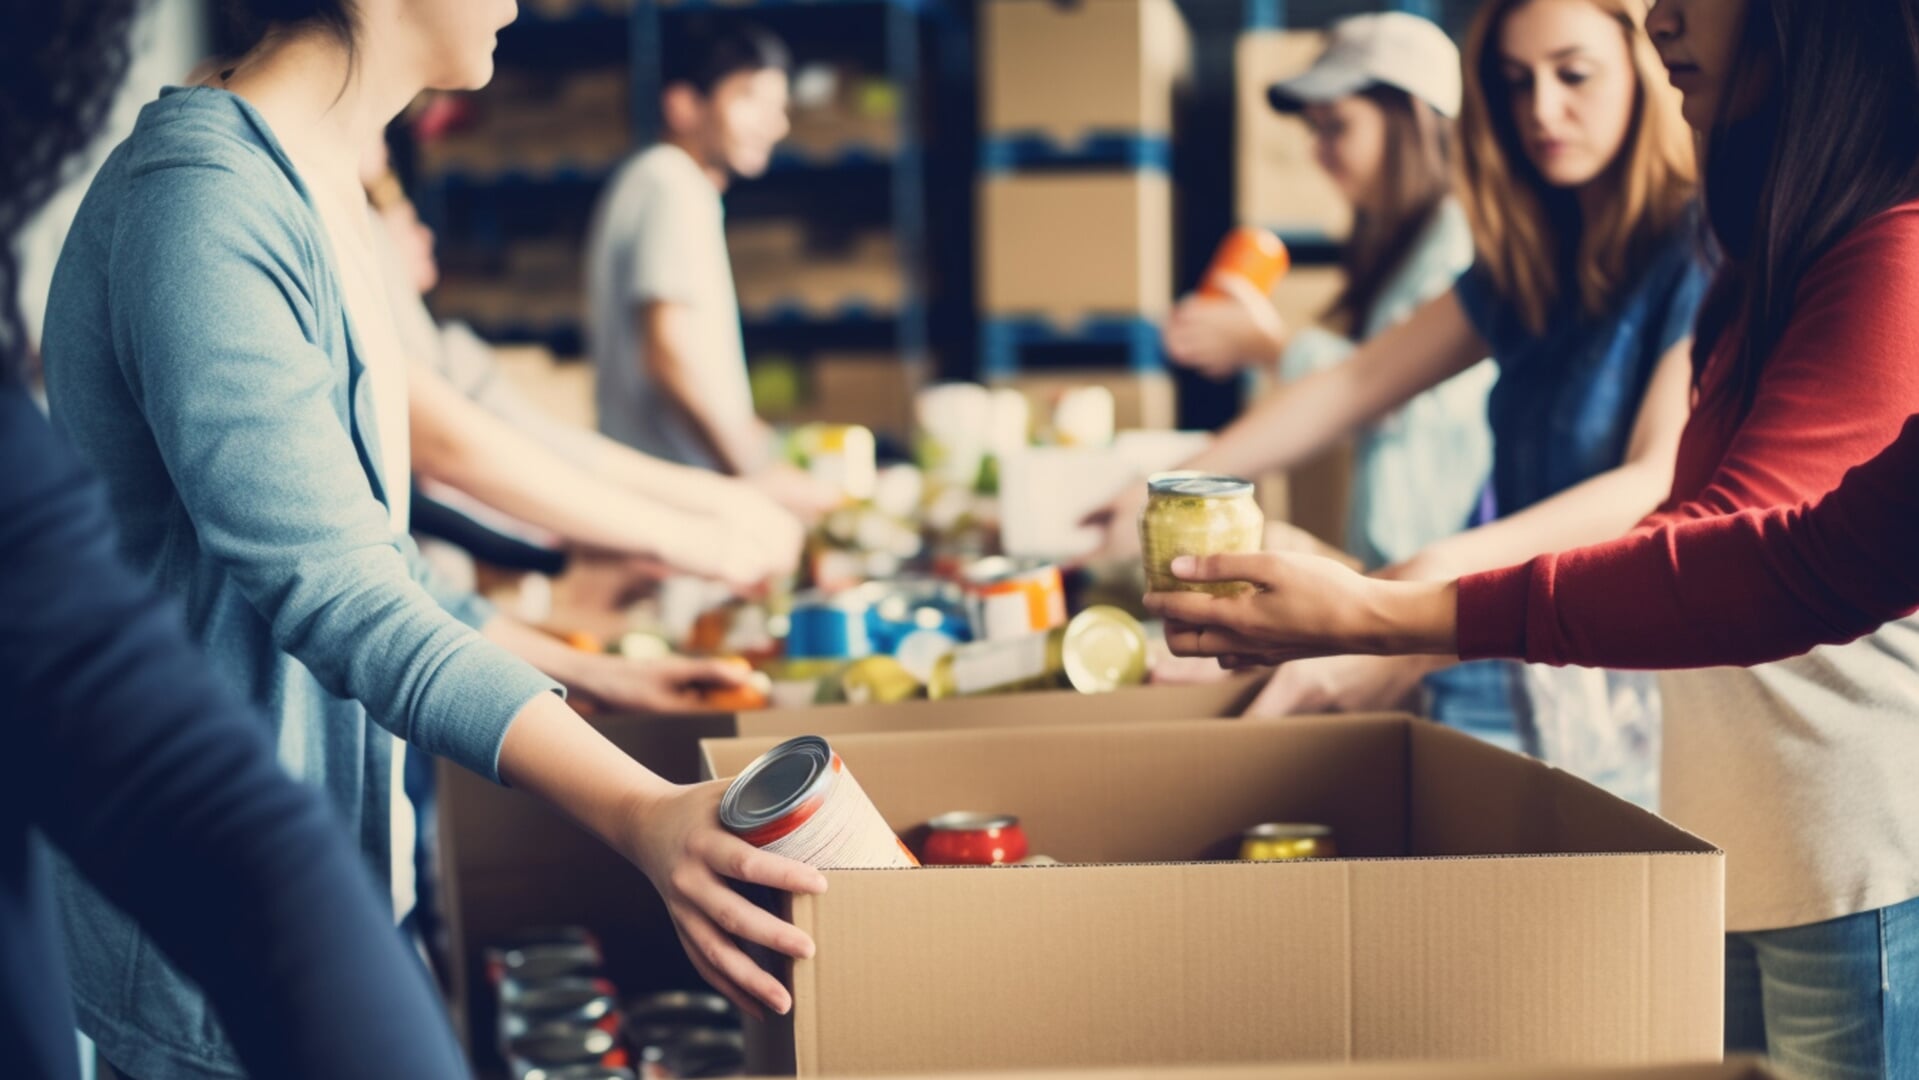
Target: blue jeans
x,y
1830,1001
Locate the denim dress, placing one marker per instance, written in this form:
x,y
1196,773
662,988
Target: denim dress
x,y
1562,412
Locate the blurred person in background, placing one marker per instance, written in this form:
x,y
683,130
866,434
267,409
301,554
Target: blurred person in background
x,y
219,347
663,324
475,435
1381,103
1578,176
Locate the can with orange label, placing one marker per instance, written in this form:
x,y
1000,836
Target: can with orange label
x,y
1013,598
798,800
1254,256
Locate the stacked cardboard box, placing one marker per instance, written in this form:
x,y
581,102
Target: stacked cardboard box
x,y
1278,184
1076,208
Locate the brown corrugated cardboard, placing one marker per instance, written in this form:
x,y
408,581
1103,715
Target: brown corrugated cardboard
x,y
509,862
872,389
1489,908
1066,71
1740,1068
1279,185
1146,402
1065,246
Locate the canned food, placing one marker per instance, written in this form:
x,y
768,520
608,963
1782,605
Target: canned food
x,y
1254,256
640,645
681,1008
842,456
828,628
699,1053
1197,515
585,1072
1009,598
1280,842
921,651
754,693
572,1002
969,839
534,1055
1099,650
906,605
800,801
878,680
539,963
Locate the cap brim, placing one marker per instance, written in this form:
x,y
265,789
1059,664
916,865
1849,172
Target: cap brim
x,y
1320,86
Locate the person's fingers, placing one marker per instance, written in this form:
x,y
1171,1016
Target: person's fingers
x,y
1194,608
1260,568
732,857
724,957
725,987
740,917
1186,640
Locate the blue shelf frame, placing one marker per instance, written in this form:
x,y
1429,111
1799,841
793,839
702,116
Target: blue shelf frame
x,y
1108,150
1005,340
902,30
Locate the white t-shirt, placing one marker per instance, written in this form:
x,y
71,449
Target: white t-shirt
x,y
659,235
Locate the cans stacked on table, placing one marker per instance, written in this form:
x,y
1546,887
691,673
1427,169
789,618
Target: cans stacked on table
x,y
559,1017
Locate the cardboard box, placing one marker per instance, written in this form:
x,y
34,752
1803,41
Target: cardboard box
x,y
1738,1068
872,389
1140,401
1489,908
1068,70
509,862
1279,185
1065,246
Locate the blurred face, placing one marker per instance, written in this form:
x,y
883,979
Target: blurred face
x,y
747,111
1569,73
452,41
1698,41
1349,141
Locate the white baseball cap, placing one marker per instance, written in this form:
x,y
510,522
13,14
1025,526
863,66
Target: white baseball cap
x,y
1392,49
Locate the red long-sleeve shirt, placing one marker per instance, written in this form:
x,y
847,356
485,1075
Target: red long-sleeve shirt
x,y
1696,587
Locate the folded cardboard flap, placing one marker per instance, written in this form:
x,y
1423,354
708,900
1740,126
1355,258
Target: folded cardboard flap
x,y
1228,697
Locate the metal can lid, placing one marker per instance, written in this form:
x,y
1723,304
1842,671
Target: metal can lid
x,y
971,821
1198,485
1288,831
561,1044
586,1072
1104,649
542,962
777,782
684,1008
582,998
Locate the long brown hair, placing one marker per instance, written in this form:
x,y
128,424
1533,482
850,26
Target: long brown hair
x,y
1521,223
1415,177
1831,141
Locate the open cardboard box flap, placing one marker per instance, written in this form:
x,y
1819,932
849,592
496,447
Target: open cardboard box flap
x,y
1487,907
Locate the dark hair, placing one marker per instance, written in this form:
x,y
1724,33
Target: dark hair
x,y
1416,174
247,22
1831,141
60,63
702,51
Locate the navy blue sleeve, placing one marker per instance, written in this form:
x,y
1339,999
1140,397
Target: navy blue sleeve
x,y
1690,281
163,790
1483,307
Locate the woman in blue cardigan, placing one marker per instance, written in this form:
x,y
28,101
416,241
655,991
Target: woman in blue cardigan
x,y
218,348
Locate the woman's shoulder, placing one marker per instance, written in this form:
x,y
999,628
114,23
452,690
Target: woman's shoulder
x,y
198,149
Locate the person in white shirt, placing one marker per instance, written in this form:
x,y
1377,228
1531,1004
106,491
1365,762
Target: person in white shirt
x,y
664,320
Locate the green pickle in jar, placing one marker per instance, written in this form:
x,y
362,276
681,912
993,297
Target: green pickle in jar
x,y
1196,514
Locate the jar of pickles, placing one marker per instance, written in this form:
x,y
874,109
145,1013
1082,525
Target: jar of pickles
x,y
1197,514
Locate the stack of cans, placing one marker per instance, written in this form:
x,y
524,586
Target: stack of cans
x,y
560,1017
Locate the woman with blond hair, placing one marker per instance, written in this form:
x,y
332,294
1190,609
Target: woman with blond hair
x,y
1579,178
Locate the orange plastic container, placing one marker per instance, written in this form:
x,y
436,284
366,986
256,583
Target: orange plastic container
x,y
1255,256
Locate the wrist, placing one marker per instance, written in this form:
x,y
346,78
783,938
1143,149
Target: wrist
x,y
1405,618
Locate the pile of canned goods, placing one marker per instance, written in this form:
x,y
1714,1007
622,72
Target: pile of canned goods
x,y
559,1017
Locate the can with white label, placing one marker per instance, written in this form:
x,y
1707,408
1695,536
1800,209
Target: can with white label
x,y
799,800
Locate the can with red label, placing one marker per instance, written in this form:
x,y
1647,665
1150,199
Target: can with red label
x,y
799,800
970,839
1014,598
581,1003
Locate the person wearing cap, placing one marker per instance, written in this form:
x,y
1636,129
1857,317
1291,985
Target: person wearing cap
x,y
1578,175
1381,103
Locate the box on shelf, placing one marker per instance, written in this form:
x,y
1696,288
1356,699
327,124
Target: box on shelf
x,y
1487,908
509,861
1279,184
1065,246
1066,71
774,271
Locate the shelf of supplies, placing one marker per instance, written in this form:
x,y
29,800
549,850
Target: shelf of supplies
x,y
1006,342
1101,149
796,315
788,160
